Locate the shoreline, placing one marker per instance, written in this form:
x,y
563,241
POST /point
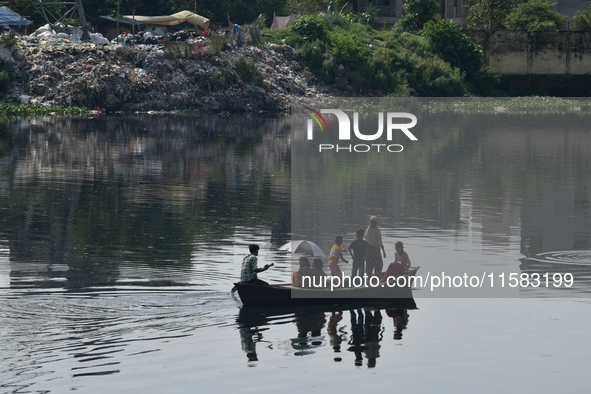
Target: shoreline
x,y
59,77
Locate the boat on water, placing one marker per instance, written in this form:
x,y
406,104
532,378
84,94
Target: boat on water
x,y
288,295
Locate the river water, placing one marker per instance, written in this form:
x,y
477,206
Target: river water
x,y
121,237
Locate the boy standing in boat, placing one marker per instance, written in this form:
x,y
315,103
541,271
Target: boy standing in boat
x,y
249,270
336,253
357,249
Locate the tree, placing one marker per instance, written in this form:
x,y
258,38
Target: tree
x,y
535,16
582,20
489,14
417,13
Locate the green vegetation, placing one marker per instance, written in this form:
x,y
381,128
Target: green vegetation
x,y
437,61
417,13
9,39
20,110
456,48
489,14
514,106
248,70
5,76
582,20
482,14
535,16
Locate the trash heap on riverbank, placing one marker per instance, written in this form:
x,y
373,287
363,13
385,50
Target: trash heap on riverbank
x,y
50,71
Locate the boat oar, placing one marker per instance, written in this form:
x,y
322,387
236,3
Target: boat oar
x,y
266,268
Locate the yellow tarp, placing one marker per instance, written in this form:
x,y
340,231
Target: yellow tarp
x,y
170,20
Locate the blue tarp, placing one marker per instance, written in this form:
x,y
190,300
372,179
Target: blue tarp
x,y
11,18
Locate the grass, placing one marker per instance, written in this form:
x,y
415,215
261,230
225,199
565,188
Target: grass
x,y
28,110
514,106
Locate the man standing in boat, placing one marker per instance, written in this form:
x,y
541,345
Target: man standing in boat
x,y
249,270
373,258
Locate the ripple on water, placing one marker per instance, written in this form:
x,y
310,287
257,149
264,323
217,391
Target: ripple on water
x,y
569,257
556,269
76,335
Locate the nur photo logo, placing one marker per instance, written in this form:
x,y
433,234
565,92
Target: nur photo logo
x,y
390,124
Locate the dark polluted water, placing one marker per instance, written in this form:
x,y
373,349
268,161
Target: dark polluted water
x,y
121,237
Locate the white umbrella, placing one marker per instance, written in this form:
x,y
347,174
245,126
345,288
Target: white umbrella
x,y
304,247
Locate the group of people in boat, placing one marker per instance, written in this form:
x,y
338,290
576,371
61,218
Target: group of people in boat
x,y
366,252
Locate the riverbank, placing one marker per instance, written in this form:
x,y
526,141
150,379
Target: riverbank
x,y
61,77
62,73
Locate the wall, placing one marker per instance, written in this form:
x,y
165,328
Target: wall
x,y
517,53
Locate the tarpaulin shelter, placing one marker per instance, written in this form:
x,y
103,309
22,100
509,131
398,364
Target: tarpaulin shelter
x,y
107,26
10,18
281,22
170,20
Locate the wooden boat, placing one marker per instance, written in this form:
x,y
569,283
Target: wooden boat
x,y
289,295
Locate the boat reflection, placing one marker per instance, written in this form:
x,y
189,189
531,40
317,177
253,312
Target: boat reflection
x,y
320,331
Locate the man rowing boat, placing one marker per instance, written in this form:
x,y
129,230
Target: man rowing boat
x,y
249,270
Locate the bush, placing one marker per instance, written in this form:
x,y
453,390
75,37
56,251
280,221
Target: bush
x,y
313,53
310,28
247,69
6,77
435,78
416,43
365,18
348,51
485,82
417,13
456,48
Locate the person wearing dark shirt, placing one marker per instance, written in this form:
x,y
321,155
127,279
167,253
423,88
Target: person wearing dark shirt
x,y
303,271
357,249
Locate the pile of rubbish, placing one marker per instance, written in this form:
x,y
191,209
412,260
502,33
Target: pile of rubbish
x,y
62,31
57,69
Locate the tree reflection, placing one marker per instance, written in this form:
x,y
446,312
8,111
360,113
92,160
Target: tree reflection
x,y
86,198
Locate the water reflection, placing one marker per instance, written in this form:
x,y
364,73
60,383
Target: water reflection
x,y
128,202
473,195
358,341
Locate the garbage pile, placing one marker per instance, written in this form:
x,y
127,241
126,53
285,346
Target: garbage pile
x,y
53,70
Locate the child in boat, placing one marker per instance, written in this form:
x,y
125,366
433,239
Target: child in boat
x,y
336,254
